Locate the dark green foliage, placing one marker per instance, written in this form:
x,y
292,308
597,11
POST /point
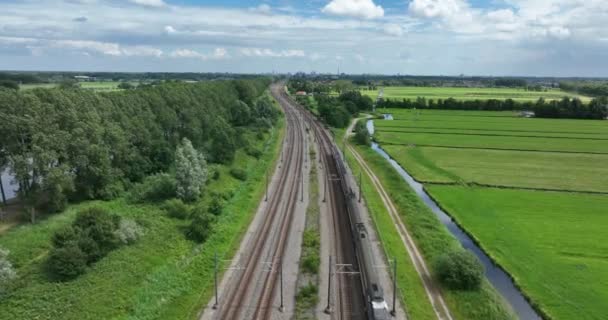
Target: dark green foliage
x,y
254,152
157,187
69,84
308,295
216,205
67,262
125,86
460,270
565,108
361,133
201,226
238,174
69,144
9,84
89,238
176,208
216,174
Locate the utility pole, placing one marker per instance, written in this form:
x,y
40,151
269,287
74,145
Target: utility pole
x,y
359,186
301,185
2,190
328,308
215,280
324,188
266,197
281,308
393,312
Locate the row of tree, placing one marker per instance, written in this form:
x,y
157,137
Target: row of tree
x,y
72,144
597,89
565,108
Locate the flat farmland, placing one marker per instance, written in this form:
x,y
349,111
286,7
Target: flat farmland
x,y
470,93
553,243
518,169
532,192
96,85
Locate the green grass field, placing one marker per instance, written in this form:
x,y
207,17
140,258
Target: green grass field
x,y
162,276
551,242
470,93
541,170
555,244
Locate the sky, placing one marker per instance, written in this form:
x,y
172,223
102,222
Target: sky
x,y
417,37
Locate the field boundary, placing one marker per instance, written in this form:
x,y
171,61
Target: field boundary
x,y
480,148
492,135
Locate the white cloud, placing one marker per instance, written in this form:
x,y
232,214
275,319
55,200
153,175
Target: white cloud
x,y
259,52
559,32
262,8
365,9
169,30
218,53
149,3
393,29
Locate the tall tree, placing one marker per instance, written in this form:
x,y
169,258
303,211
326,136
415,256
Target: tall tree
x,y
190,171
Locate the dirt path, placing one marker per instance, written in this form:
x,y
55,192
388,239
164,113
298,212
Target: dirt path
x,y
432,290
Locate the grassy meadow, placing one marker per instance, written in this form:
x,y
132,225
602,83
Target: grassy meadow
x,y
492,172
554,244
162,276
470,93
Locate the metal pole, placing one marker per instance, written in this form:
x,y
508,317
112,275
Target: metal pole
x,y
281,308
302,186
324,188
393,312
359,186
215,280
266,197
328,308
2,190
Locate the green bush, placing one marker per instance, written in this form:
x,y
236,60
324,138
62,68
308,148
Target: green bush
x,y
176,208
308,295
216,174
67,262
201,226
459,270
216,205
99,225
128,231
154,188
254,152
7,272
310,264
239,174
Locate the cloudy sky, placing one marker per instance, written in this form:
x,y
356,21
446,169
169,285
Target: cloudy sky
x,y
430,37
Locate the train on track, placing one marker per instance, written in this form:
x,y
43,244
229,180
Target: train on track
x,y
376,306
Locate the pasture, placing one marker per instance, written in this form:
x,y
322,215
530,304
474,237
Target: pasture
x,y
436,93
553,243
532,192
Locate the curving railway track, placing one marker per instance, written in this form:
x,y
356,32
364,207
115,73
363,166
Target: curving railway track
x,y
250,295
349,302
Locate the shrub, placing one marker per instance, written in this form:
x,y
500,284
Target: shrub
x,y
200,228
157,187
90,248
239,174
254,152
459,270
308,294
128,231
67,262
176,208
64,236
216,205
99,225
310,264
216,174
7,273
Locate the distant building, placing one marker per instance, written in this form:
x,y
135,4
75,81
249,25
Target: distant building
x,y
301,93
84,78
527,114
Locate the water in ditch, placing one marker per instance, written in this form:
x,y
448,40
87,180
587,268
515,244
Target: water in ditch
x,y
495,275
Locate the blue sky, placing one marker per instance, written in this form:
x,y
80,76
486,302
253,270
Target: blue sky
x,y
430,37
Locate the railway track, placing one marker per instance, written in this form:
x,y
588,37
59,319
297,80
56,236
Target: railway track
x,y
251,292
349,302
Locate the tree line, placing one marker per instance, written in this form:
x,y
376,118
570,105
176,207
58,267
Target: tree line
x,y
564,108
72,144
592,88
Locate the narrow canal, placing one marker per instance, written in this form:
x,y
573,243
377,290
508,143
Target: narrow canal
x,y
495,275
